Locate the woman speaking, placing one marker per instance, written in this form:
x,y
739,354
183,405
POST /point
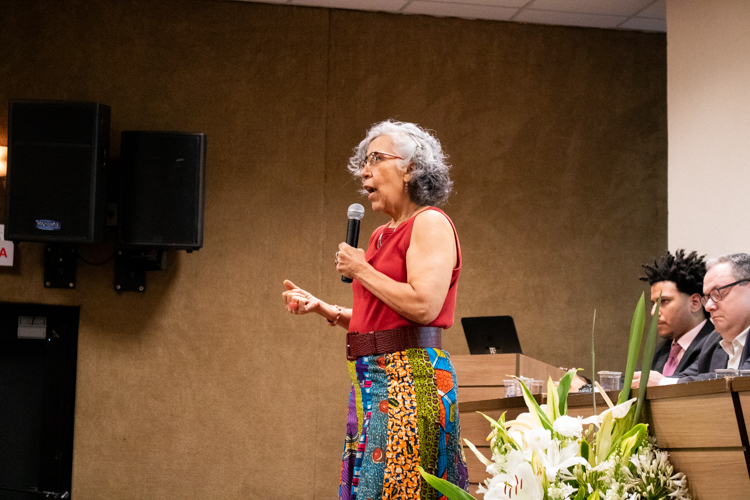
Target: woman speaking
x,y
403,410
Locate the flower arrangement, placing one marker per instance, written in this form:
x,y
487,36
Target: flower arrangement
x,y
545,454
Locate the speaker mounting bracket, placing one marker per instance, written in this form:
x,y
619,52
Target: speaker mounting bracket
x,y
131,266
60,265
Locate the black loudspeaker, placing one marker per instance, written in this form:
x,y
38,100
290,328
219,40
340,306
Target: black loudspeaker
x,y
56,183
162,190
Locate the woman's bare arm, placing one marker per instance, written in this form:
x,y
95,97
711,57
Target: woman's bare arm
x,y
299,301
430,261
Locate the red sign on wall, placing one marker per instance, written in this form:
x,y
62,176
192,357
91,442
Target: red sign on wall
x,y
6,249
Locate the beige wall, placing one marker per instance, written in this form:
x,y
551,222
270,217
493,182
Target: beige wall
x,y
709,125
203,387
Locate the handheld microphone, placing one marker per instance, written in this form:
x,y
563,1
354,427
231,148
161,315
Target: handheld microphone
x,y
355,214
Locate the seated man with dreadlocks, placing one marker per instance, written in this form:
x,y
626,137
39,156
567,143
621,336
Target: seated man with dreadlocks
x,y
682,321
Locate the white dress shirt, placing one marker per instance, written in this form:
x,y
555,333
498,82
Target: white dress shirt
x,y
734,349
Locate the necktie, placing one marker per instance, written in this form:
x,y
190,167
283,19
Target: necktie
x,y
671,363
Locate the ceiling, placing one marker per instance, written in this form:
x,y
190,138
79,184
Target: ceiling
x,y
640,15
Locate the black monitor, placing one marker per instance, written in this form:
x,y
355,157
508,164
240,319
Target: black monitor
x,y
491,335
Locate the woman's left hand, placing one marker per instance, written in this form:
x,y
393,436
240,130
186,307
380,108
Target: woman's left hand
x,y
350,260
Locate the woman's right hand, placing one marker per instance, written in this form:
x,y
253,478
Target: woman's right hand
x,y
298,301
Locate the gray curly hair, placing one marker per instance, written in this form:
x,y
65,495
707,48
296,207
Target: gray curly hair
x,y
739,263
430,182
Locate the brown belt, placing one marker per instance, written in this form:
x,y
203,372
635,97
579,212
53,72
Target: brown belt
x,y
386,341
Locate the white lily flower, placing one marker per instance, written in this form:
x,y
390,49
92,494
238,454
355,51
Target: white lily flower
x,y
514,459
556,458
496,468
618,411
522,485
518,438
524,422
604,466
592,420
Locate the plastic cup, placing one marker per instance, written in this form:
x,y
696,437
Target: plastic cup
x,y
725,372
610,381
536,386
512,388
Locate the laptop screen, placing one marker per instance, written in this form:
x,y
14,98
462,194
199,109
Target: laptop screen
x,y
486,334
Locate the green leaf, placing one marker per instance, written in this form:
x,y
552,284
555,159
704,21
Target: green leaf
x,y
553,408
595,495
629,442
500,431
538,467
623,425
637,436
563,388
493,422
604,439
450,490
648,359
479,455
634,346
534,407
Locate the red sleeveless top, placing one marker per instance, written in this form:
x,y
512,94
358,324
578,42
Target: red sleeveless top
x,y
386,252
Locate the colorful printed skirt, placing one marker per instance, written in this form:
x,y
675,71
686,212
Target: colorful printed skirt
x,y
403,412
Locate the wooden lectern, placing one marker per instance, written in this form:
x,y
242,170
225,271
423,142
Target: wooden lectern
x,y
481,388
480,377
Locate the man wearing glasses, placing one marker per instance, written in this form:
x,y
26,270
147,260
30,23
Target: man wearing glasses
x,y
726,296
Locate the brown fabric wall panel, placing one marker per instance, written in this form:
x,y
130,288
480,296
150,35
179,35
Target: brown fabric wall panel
x,y
203,387
195,389
557,137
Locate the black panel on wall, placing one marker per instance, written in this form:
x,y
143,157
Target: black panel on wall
x,y
37,395
56,181
162,190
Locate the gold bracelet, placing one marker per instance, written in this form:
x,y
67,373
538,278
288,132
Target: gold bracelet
x,y
338,317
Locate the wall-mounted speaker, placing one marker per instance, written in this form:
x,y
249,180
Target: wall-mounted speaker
x,y
162,190
56,183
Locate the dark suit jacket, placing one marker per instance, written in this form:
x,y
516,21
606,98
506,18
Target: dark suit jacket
x,y
712,357
691,353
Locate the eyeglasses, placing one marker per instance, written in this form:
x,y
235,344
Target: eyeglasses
x,y
715,294
376,157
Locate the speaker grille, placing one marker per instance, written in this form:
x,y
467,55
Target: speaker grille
x,y
56,184
162,190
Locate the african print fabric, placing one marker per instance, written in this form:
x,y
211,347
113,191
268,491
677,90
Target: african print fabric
x,y
403,412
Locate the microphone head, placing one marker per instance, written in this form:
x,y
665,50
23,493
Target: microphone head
x,y
356,211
